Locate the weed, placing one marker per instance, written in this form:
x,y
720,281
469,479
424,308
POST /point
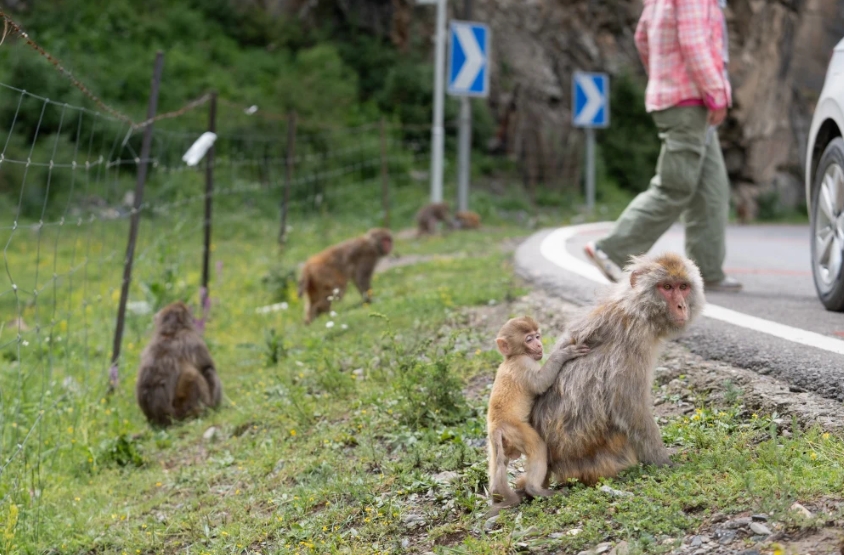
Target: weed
x,y
274,349
280,282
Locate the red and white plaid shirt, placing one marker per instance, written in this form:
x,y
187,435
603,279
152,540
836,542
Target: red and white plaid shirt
x,y
682,44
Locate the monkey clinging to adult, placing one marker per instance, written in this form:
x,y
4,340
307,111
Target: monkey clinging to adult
x,y
325,274
596,419
519,379
176,378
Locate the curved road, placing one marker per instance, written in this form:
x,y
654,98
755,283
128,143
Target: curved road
x,y
776,325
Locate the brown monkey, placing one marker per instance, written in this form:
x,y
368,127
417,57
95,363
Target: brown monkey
x,y
518,381
596,419
325,274
428,216
467,220
176,378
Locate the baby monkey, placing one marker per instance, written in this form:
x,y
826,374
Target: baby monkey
x,y
518,382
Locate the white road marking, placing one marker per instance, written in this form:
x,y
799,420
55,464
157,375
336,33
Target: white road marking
x,y
553,248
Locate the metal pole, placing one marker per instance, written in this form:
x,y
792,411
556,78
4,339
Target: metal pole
x,y
590,169
439,93
146,145
291,140
464,144
464,153
385,185
209,191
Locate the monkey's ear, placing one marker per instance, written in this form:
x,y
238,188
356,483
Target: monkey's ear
x,y
634,277
503,346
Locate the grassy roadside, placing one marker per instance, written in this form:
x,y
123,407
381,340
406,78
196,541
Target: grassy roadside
x,y
366,436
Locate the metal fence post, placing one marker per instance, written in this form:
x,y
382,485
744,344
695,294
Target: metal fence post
x,y
209,192
291,142
385,185
146,145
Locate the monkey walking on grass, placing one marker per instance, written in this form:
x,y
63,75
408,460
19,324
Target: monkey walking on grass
x,y
596,418
177,378
325,274
518,381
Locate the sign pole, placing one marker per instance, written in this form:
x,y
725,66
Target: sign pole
x,y
590,109
464,152
590,169
464,144
439,93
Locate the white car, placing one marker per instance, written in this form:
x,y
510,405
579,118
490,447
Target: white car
x,y
825,185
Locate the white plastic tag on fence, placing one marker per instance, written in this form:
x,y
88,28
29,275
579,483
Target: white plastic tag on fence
x,y
198,149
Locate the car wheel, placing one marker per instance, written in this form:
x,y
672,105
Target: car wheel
x,y
827,225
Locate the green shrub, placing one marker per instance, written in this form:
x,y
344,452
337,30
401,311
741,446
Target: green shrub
x,y
630,146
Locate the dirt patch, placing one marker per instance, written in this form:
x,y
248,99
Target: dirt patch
x,y
390,262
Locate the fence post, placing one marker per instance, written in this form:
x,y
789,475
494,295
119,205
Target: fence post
x,y
291,141
385,185
146,145
209,191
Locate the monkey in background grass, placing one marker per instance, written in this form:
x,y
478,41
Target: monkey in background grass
x,y
176,378
326,274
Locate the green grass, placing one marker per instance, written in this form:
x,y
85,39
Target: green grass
x,y
330,438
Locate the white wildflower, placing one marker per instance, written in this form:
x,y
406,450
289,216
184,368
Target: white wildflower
x,y
336,291
329,324
25,343
333,314
344,326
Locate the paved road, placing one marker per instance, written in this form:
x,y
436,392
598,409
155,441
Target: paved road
x,y
776,324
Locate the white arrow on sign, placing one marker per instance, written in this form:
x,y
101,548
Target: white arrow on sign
x,y
594,101
474,58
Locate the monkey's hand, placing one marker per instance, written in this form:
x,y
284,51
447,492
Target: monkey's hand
x,y
572,351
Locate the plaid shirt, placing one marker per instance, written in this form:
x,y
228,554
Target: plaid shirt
x,y
682,44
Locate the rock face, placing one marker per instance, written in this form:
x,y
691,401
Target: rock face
x,y
778,55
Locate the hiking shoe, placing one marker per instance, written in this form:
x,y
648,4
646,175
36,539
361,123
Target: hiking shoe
x,y
600,259
727,284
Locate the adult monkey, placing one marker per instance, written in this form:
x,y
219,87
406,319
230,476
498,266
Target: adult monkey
x,y
177,378
596,418
325,275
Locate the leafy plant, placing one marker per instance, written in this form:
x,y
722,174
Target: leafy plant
x,y
631,148
274,349
280,282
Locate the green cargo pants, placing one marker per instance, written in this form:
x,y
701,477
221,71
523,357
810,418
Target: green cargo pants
x,y
691,181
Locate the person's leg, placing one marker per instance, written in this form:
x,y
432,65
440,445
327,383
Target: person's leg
x,y
706,219
683,134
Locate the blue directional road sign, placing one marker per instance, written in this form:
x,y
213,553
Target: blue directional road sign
x,y
590,98
468,60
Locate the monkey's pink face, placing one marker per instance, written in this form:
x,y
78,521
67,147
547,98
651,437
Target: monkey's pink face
x,y
533,345
675,294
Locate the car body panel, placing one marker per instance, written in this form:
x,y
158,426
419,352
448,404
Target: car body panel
x,y
829,107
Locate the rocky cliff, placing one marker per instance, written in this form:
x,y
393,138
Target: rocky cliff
x,y
778,55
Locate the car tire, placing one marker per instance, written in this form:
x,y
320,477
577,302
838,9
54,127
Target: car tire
x,y
827,227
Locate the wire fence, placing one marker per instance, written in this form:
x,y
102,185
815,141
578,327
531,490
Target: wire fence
x,y
96,212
